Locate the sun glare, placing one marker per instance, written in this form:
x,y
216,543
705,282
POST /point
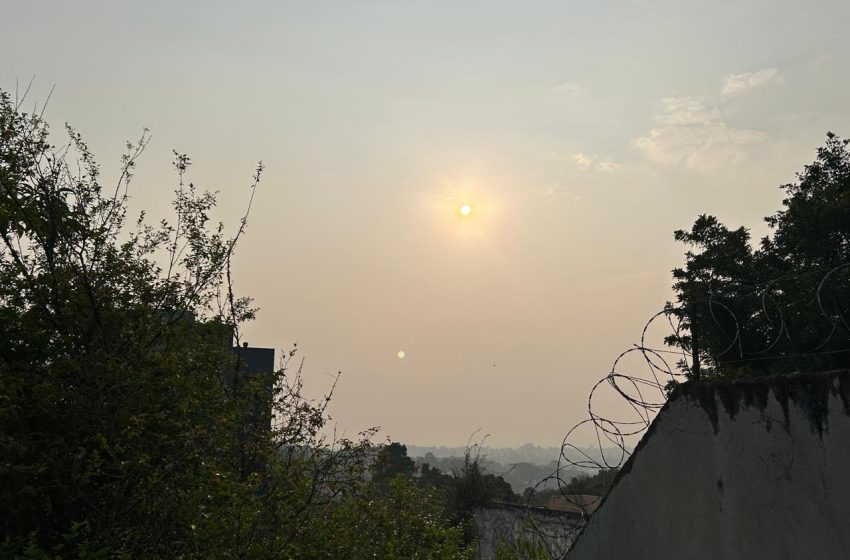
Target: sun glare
x,y
465,210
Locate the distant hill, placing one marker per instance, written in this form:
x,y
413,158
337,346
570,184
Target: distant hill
x,y
527,453
522,467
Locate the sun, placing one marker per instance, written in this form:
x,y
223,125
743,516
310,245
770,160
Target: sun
x,y
465,209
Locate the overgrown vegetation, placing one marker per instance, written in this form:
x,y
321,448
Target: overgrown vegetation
x,y
462,491
128,426
586,485
785,305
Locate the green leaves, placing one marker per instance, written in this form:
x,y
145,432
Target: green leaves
x,y
783,306
119,437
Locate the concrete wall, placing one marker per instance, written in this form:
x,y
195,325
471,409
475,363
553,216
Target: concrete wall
x,y
507,523
735,471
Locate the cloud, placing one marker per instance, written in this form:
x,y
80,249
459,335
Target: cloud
x,y
608,166
696,136
570,89
552,189
735,84
687,111
584,161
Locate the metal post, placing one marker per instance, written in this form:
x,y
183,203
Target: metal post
x,y
695,371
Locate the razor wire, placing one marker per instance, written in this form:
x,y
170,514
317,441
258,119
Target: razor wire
x,y
760,327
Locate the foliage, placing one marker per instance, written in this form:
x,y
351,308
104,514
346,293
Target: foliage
x,y
392,461
398,520
590,485
103,377
462,492
128,425
595,485
784,305
525,548
466,489
474,486
434,477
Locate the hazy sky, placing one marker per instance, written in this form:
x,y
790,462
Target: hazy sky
x,y
582,134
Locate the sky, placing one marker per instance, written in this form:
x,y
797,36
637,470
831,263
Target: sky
x,y
581,134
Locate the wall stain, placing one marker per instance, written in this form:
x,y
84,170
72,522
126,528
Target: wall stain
x,y
808,391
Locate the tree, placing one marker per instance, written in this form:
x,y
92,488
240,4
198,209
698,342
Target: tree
x,y
433,477
110,393
784,306
594,485
470,487
392,461
128,426
394,520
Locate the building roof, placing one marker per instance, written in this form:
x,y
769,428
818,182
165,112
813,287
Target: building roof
x,y
584,504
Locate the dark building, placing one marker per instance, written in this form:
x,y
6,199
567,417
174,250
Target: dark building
x,y
251,363
256,360
251,374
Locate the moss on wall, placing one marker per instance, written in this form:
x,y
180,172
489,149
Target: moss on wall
x,y
808,391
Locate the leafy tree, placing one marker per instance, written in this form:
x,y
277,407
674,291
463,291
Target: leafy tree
x,y
397,520
470,488
128,426
594,485
392,461
110,394
590,485
433,477
785,305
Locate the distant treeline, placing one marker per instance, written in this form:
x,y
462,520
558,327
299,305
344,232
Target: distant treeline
x,y
527,466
